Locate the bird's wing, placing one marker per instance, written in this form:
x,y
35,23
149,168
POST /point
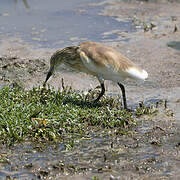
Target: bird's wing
x,y
104,57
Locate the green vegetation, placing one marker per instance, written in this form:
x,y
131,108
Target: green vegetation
x,y
95,178
48,115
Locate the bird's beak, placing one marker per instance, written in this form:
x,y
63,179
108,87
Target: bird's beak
x,y
48,76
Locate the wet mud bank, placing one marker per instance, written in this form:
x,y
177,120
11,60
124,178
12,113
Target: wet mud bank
x,y
151,148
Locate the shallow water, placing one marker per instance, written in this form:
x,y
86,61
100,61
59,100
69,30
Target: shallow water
x,y
58,23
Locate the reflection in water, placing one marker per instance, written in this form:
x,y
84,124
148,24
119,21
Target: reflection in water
x,y
25,3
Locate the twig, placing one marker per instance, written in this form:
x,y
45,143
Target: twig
x,y
62,83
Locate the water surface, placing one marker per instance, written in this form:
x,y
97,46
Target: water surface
x,y
57,23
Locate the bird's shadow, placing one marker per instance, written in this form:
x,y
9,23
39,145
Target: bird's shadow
x,y
82,103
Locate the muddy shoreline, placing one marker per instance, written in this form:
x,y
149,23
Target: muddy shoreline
x,y
152,149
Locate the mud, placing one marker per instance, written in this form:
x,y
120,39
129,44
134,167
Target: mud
x,y
152,148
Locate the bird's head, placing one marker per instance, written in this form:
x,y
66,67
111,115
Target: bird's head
x,y
61,56
53,63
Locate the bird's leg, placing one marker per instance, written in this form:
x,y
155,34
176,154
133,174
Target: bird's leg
x,y
102,89
101,93
123,94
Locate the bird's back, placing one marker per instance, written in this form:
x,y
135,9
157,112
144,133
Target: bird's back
x,y
108,62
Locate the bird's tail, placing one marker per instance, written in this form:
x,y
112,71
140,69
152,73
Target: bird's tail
x,y
137,73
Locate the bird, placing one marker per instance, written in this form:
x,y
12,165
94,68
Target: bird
x,y
99,60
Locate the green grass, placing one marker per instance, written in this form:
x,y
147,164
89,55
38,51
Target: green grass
x,y
49,115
